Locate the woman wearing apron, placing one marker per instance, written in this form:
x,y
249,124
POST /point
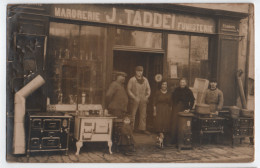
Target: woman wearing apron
x,y
182,101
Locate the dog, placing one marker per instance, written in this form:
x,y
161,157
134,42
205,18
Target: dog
x,y
160,139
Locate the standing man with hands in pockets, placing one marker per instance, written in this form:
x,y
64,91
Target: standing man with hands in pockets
x,y
139,91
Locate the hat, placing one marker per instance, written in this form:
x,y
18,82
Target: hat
x,y
139,68
120,74
213,80
126,116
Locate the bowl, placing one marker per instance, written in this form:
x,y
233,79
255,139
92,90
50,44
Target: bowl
x,y
247,113
202,108
234,112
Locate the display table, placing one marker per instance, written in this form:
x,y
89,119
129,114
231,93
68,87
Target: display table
x,y
93,129
208,125
48,131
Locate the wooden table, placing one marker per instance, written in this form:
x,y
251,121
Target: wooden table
x,y
93,129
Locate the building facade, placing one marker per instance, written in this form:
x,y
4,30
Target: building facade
x,y
78,46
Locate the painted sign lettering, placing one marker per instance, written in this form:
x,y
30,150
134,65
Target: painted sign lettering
x,y
136,18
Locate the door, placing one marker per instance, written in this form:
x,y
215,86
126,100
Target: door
x,y
227,70
126,61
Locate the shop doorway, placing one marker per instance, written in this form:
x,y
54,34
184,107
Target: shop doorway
x,y
126,61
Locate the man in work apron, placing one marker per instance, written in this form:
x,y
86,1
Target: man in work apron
x,y
139,91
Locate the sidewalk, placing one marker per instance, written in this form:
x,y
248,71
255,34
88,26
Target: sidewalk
x,y
146,151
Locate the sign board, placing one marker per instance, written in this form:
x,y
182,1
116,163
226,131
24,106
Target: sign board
x,y
134,17
229,26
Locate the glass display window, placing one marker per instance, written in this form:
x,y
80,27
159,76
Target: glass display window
x,y
188,57
76,63
199,60
178,55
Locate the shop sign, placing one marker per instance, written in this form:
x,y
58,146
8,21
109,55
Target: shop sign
x,y
134,17
229,26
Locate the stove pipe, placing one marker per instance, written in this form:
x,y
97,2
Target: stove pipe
x,y
19,113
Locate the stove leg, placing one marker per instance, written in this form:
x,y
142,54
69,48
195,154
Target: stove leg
x,y
201,136
251,140
28,154
109,144
79,144
179,148
232,141
217,140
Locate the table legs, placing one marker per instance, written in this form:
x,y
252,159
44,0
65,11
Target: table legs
x,y
201,136
109,144
79,144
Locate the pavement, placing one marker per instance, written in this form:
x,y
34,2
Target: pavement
x,y
146,152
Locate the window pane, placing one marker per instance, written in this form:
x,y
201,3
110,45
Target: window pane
x,y
199,67
140,39
63,48
92,48
63,40
178,55
76,54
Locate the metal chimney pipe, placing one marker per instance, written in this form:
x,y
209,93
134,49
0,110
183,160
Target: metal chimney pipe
x,y
19,113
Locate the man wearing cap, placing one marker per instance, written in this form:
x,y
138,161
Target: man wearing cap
x,y
213,96
116,96
139,91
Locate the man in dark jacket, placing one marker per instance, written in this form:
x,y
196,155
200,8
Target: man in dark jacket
x,y
116,96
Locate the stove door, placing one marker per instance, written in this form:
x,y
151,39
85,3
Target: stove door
x,y
51,124
51,142
35,143
102,127
36,123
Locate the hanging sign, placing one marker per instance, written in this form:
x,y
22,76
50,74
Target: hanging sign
x,y
134,17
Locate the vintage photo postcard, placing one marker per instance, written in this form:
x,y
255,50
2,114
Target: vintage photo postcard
x,y
130,83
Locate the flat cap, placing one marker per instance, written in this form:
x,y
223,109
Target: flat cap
x,y
139,68
213,80
119,73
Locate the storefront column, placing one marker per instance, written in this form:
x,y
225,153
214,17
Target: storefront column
x,y
227,63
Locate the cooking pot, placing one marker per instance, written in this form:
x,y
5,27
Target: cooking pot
x,y
234,111
247,113
202,108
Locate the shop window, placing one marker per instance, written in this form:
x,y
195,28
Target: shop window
x,y
75,63
178,55
141,39
187,57
199,63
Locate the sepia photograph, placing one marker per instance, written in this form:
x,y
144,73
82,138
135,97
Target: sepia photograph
x,y
130,83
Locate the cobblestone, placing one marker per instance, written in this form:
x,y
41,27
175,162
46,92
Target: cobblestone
x,y
146,151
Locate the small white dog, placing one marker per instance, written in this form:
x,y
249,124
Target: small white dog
x,y
160,138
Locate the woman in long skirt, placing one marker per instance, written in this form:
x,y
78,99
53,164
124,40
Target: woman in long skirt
x,y
182,101
162,111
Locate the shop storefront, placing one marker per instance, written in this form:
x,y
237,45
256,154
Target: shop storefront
x,y
92,41
84,44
